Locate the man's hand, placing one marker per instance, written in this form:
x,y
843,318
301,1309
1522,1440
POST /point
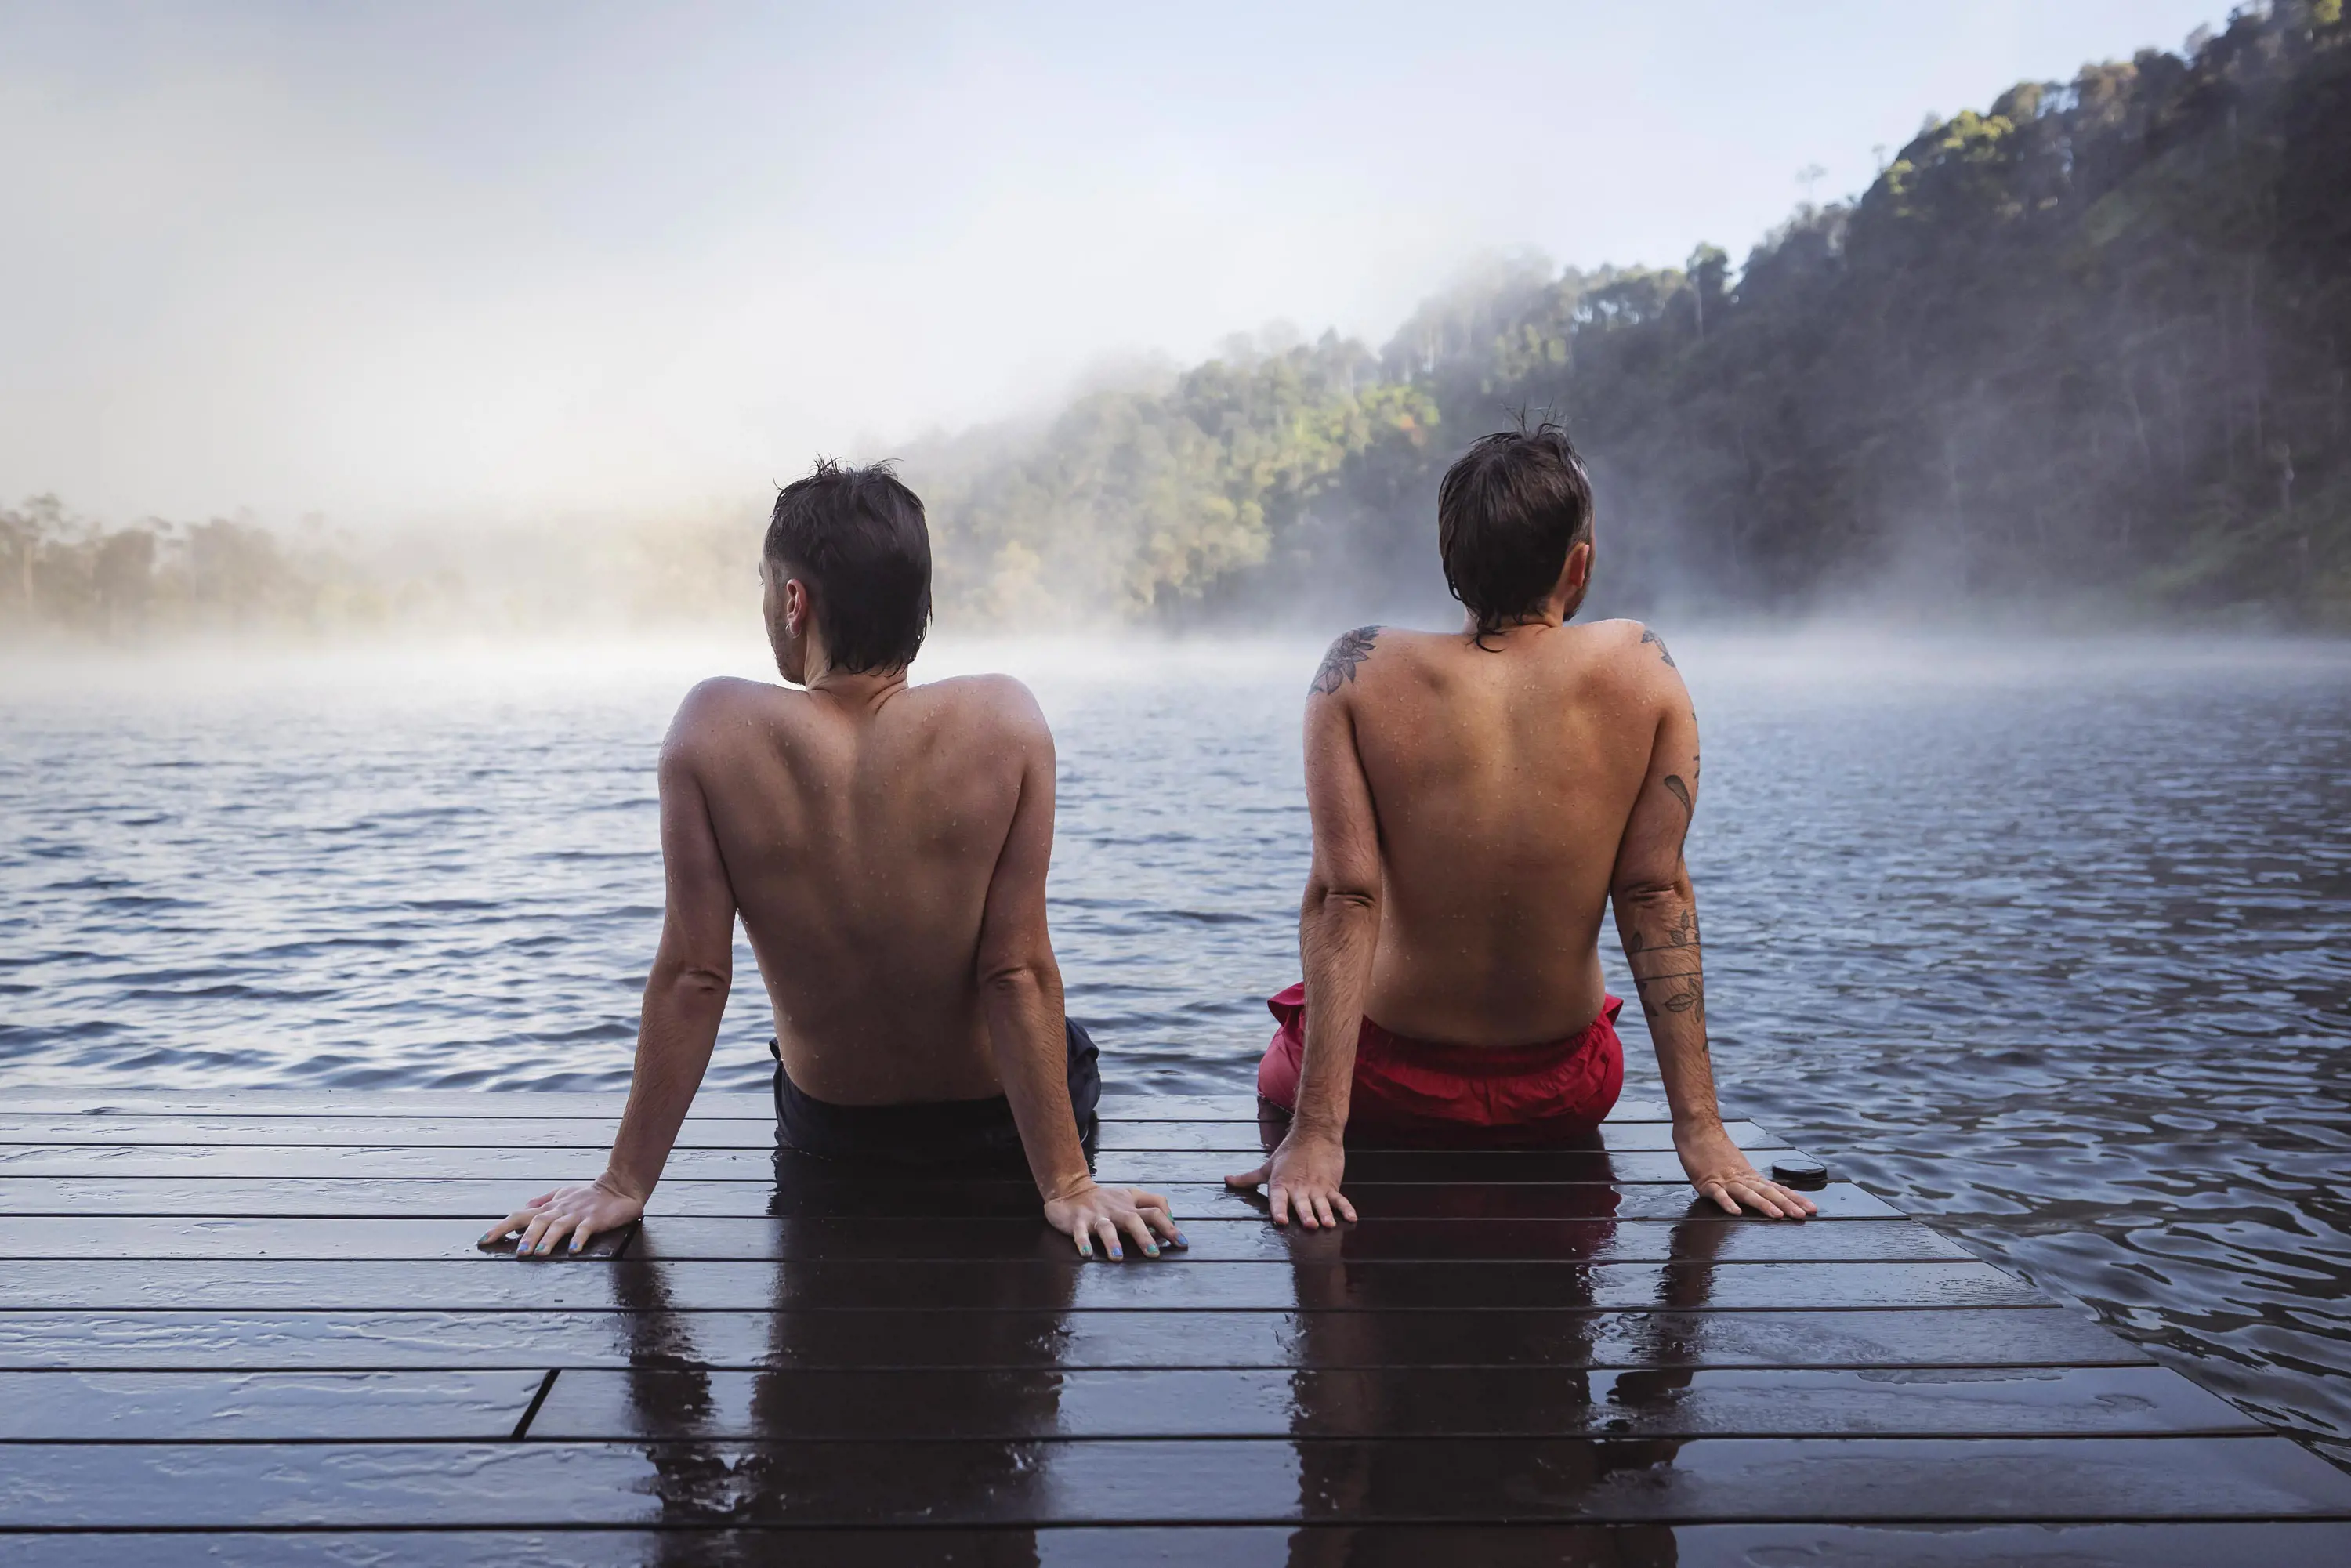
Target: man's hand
x,y
579,1212
1721,1172
1303,1174
1093,1211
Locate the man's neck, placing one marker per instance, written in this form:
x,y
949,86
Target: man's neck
x,y
858,690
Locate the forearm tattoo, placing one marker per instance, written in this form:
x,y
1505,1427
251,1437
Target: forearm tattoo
x,y
1339,665
1668,970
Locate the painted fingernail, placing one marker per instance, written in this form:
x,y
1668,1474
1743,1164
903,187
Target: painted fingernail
x,y
1115,1253
1180,1242
1150,1250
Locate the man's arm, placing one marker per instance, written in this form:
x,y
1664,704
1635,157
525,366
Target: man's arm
x,y
1656,917
1021,994
685,995
1338,933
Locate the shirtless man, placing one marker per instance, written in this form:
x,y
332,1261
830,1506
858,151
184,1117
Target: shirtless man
x,y
1478,798
886,846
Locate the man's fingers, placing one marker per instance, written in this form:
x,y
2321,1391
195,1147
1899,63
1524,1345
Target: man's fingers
x,y
1252,1178
1132,1222
1156,1214
1346,1209
1109,1234
1322,1209
506,1227
1084,1240
1739,1194
1280,1204
580,1233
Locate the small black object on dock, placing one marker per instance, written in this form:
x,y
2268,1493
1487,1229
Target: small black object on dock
x,y
1796,1171
255,1328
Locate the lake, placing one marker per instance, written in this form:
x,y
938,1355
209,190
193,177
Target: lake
x,y
2048,942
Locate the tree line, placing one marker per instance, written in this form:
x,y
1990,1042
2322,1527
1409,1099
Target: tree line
x,y
2089,344
63,573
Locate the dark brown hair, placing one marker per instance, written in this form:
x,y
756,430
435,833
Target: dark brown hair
x,y
1507,514
857,537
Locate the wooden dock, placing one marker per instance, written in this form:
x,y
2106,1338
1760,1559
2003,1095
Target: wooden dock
x,y
254,1329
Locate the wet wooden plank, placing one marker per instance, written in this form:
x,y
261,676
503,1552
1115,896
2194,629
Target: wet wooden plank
x,y
1212,1239
651,1335
1525,1402
2269,1545
535,1104
1171,1281
545,1166
391,1104
225,1406
577,1135
532,1484
878,1197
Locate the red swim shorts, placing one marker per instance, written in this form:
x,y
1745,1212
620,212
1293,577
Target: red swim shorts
x,y
1522,1093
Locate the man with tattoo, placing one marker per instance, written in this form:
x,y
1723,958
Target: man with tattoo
x,y
1479,799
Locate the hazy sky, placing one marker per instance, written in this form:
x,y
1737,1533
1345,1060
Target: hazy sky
x,y
395,260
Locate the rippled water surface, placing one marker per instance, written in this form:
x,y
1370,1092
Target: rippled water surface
x,y
2050,944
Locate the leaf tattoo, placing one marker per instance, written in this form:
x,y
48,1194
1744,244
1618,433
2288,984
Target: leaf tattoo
x,y
1687,994
1339,665
1649,634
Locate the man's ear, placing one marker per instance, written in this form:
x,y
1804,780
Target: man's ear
x,y
795,607
1579,564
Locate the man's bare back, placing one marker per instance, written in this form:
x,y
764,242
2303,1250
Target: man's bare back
x,y
861,841
1479,799
1513,769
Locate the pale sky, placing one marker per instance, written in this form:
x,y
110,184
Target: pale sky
x,y
396,261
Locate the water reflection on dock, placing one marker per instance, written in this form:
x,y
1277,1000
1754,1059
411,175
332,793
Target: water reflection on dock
x,y
1539,1356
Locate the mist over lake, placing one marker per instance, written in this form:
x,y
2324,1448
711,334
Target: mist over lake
x,y
2042,939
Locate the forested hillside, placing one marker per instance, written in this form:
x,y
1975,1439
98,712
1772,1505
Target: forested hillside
x,y
2090,342
2086,347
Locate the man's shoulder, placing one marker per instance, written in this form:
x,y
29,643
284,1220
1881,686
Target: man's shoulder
x,y
1632,647
980,694
727,696
995,703
713,707
1365,652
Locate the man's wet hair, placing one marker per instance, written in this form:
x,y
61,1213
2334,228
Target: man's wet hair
x,y
1507,514
857,539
